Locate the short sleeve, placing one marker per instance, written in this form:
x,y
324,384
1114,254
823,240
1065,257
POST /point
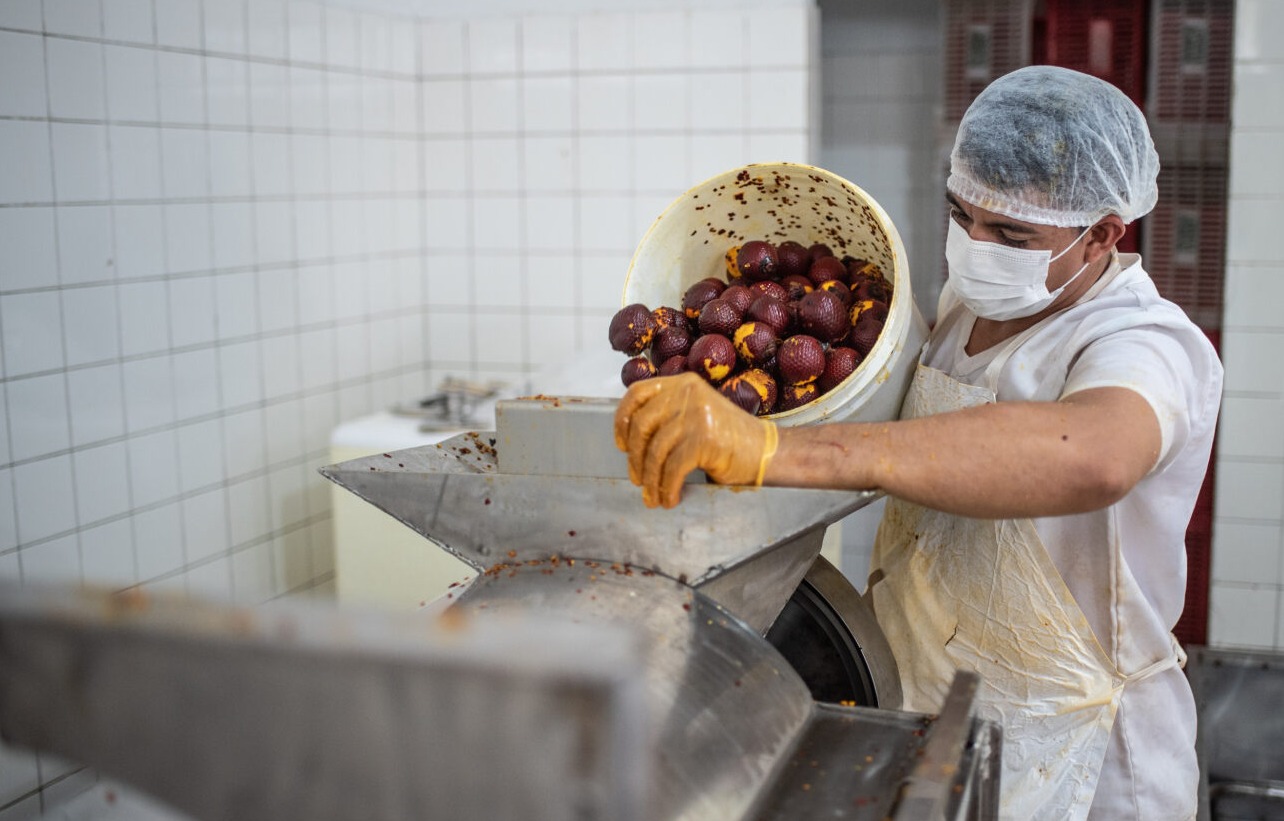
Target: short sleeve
x,y
1156,363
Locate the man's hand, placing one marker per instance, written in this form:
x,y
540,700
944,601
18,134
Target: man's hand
x,y
672,425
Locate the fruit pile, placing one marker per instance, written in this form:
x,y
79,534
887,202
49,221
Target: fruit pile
x,y
787,326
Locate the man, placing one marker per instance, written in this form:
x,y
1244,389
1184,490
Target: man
x,y
1048,457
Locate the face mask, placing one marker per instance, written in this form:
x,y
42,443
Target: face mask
x,y
998,282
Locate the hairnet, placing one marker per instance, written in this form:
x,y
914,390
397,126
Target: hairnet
x,y
1056,147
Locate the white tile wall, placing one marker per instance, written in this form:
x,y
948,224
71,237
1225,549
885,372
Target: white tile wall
x,y
229,225
1247,601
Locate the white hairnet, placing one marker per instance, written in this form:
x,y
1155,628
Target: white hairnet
x,y
1056,147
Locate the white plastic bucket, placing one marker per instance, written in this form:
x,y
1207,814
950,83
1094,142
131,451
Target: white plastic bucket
x,y
778,202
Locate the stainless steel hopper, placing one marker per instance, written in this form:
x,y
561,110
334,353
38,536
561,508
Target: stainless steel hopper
x,y
606,662
543,509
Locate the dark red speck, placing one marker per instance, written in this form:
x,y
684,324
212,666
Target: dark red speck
x,y
570,533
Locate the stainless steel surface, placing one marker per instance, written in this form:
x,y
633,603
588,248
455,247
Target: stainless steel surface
x,y
562,436
753,589
1240,801
863,764
556,528
928,789
847,764
453,493
615,675
312,713
1240,739
705,673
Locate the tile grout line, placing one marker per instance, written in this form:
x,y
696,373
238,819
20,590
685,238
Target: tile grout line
x,y
212,244
120,346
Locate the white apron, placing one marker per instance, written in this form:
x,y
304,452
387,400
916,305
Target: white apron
x,y
952,592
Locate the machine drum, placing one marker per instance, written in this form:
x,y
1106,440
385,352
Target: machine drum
x,y
819,647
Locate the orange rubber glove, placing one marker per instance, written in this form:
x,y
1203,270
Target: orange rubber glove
x,y
672,425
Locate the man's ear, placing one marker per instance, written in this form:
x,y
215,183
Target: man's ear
x,y
1103,236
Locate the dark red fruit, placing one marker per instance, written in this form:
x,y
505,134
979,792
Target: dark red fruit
x,y
755,342
867,309
839,290
822,315
670,342
719,317
637,368
741,393
740,297
765,384
699,294
794,258
840,363
771,289
826,268
673,365
712,356
875,289
865,333
795,396
757,260
632,328
667,317
771,311
796,287
819,250
801,359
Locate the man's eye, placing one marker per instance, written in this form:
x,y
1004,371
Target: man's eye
x,y
957,215
1012,242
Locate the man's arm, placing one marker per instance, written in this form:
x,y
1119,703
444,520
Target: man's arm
x,y
1006,460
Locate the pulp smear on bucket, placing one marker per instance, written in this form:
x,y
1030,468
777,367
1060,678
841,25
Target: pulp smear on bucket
x,y
778,202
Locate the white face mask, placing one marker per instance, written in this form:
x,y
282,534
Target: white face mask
x,y
998,282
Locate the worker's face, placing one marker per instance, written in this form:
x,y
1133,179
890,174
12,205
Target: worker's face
x,y
987,226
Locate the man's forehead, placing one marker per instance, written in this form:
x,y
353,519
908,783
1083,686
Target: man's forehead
x,y
995,220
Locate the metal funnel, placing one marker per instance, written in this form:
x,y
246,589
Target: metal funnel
x,y
464,495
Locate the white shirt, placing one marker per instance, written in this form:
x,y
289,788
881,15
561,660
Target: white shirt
x,y
1125,564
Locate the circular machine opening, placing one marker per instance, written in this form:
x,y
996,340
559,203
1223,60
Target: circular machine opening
x,y
828,635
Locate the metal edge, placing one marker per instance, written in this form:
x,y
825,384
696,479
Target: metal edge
x,y
859,620
927,791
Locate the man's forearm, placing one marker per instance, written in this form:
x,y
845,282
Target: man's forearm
x,y
1007,460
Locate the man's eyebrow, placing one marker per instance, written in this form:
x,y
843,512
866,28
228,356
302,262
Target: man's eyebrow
x,y
1010,227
